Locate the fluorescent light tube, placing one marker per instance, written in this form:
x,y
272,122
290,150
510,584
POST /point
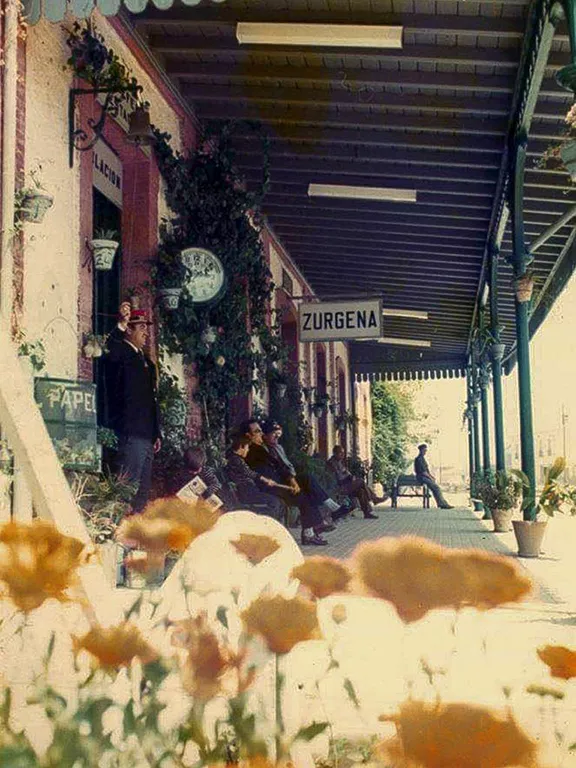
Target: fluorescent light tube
x,y
415,314
400,342
330,35
363,193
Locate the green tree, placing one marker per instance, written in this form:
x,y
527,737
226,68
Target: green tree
x,y
392,413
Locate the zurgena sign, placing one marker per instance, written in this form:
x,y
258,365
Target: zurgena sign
x,y
340,320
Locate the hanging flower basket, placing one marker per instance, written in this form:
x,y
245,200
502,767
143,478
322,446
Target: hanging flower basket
x,y
34,206
209,335
498,351
281,390
103,252
92,350
524,287
318,411
169,298
568,155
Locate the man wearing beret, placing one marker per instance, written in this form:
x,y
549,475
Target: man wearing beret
x,y
134,413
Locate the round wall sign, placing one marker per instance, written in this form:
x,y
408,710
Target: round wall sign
x,y
205,280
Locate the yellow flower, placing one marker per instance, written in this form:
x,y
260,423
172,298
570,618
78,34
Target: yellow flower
x,y
206,662
116,646
561,660
37,562
196,516
151,535
416,576
457,736
282,622
323,575
254,547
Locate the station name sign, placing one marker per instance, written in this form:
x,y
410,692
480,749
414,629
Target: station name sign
x,y
340,320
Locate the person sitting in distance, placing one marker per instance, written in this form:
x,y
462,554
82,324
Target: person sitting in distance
x,y
422,472
351,485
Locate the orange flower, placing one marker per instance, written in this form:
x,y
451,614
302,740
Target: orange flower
x,y
153,535
282,622
207,662
254,547
197,516
561,660
37,562
323,575
457,736
116,646
416,576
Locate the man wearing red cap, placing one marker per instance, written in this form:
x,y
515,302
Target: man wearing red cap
x,y
134,413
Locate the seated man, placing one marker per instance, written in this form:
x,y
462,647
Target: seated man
x,y
351,485
195,466
251,487
268,464
272,432
422,472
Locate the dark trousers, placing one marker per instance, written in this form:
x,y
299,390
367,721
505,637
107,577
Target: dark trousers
x,y
251,495
436,491
135,456
310,516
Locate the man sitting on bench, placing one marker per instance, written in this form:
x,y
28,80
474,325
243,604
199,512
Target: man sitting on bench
x,y
422,472
351,485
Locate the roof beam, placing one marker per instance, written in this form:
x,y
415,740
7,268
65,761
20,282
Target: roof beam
x,y
435,254
320,119
342,229
444,24
493,105
375,212
370,239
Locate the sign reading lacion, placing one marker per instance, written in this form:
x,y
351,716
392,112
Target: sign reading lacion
x,y
340,320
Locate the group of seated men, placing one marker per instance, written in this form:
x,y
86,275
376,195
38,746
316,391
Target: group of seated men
x,y
265,480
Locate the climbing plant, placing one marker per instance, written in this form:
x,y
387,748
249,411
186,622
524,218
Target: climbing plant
x,y
230,343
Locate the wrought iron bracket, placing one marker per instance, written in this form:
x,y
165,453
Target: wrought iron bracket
x,y
78,138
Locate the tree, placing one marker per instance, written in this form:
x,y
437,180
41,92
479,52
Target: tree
x,y
392,412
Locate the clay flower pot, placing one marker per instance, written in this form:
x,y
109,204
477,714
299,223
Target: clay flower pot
x,y
529,535
502,520
103,252
34,206
169,298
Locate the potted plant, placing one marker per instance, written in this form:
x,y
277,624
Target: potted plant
x,y
554,497
320,405
500,493
32,202
93,345
104,245
170,274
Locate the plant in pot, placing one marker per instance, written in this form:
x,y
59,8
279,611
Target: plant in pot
x,y
93,345
320,405
475,484
104,245
32,355
170,275
554,497
500,492
31,203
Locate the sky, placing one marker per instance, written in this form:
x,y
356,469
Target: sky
x,y
553,361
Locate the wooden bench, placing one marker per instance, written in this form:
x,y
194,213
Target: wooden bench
x,y
408,486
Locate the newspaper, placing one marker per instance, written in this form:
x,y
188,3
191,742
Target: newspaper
x,y
193,491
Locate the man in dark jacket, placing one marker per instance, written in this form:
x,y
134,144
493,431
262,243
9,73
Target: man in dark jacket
x,y
251,487
422,472
134,414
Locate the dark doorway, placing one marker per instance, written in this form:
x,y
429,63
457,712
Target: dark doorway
x,y
106,297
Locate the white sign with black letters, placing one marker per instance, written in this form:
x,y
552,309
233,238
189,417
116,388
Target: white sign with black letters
x,y
340,320
107,172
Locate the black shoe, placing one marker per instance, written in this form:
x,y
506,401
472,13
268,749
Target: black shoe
x,y
370,516
446,506
342,511
316,541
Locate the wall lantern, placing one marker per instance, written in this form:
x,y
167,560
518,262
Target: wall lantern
x,y
139,128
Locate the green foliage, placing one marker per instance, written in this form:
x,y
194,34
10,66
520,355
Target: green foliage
x,y
498,490
291,413
555,496
34,351
212,209
392,411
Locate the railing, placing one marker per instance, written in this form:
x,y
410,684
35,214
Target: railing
x,y
35,458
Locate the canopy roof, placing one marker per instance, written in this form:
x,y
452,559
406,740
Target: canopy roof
x,y
433,116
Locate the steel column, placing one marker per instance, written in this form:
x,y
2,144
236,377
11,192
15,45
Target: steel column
x,y
497,353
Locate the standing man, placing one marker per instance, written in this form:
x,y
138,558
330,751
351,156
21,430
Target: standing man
x,y
422,472
134,413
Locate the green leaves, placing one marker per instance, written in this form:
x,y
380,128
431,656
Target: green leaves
x,y
351,691
310,732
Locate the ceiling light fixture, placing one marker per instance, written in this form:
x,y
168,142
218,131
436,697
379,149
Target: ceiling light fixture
x,y
363,193
329,35
414,314
400,342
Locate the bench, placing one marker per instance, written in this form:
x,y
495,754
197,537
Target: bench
x,y
408,486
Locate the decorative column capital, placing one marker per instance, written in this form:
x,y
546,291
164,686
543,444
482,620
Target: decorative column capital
x,y
497,351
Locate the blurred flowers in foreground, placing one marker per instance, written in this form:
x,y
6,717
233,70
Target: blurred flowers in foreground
x,y
37,563
323,575
456,736
416,576
560,660
282,622
116,646
254,547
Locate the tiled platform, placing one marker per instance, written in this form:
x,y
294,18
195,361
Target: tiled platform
x,y
458,527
